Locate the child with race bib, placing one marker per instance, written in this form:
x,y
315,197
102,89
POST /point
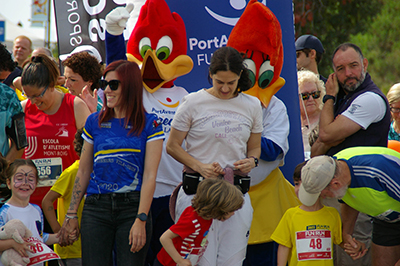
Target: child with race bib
x,y
185,242
306,234
62,192
21,178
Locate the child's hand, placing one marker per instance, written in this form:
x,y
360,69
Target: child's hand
x,y
70,226
73,236
356,250
22,248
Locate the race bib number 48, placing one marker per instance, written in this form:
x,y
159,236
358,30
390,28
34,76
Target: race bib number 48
x,y
314,245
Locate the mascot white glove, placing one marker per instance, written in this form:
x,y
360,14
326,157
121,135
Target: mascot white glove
x,y
117,18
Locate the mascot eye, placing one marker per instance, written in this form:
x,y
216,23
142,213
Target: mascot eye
x,y
251,67
266,74
164,48
144,45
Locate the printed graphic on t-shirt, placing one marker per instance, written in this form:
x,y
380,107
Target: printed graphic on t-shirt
x,y
226,124
196,253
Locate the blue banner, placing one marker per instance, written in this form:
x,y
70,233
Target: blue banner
x,y
81,26
2,30
208,25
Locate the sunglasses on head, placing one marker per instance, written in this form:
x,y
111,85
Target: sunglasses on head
x,y
314,94
112,83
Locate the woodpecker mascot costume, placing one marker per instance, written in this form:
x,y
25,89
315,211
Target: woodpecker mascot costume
x,y
258,35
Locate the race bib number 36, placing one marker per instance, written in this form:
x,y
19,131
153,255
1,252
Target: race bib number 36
x,y
314,245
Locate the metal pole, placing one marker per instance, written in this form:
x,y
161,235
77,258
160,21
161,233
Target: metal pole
x,y
48,23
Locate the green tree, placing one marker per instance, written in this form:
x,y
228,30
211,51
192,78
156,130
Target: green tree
x,y
381,45
333,22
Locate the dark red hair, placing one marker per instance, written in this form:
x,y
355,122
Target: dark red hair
x,y
131,99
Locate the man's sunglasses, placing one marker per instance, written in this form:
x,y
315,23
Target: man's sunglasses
x,y
112,83
314,94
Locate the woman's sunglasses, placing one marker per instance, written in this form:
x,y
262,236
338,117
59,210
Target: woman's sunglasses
x,y
112,83
314,94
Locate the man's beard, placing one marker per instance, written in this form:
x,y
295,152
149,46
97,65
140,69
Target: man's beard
x,y
351,88
339,194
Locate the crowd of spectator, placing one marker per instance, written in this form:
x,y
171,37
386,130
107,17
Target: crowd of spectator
x,y
346,122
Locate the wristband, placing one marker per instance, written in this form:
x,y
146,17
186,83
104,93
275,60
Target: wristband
x,y
328,97
71,216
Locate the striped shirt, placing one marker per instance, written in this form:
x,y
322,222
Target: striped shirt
x,y
375,181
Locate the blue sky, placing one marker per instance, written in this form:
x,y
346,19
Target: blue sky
x,y
20,11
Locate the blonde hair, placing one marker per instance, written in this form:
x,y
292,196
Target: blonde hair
x,y
23,37
304,76
393,94
215,198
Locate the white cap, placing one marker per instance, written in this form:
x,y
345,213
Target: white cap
x,y
315,177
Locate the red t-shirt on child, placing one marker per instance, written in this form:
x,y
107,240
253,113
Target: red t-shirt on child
x,y
192,231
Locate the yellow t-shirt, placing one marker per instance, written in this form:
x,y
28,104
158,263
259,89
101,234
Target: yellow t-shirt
x,y
64,186
309,235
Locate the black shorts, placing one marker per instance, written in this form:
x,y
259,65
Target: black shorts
x,y
385,233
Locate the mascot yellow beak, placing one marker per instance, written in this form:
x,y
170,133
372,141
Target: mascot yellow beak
x,y
265,95
155,73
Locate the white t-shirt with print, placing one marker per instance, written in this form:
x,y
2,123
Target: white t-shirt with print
x,y
218,129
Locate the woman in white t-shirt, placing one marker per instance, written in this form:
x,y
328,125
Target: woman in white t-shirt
x,y
222,129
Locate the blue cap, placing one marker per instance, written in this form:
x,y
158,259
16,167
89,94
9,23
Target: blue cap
x,y
310,42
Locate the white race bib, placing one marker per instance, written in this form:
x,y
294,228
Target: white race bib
x,y
49,170
314,245
40,252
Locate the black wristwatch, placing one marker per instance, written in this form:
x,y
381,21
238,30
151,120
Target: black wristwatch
x,y
327,97
255,160
142,216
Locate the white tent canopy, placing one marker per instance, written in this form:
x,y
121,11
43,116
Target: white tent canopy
x,y
12,31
